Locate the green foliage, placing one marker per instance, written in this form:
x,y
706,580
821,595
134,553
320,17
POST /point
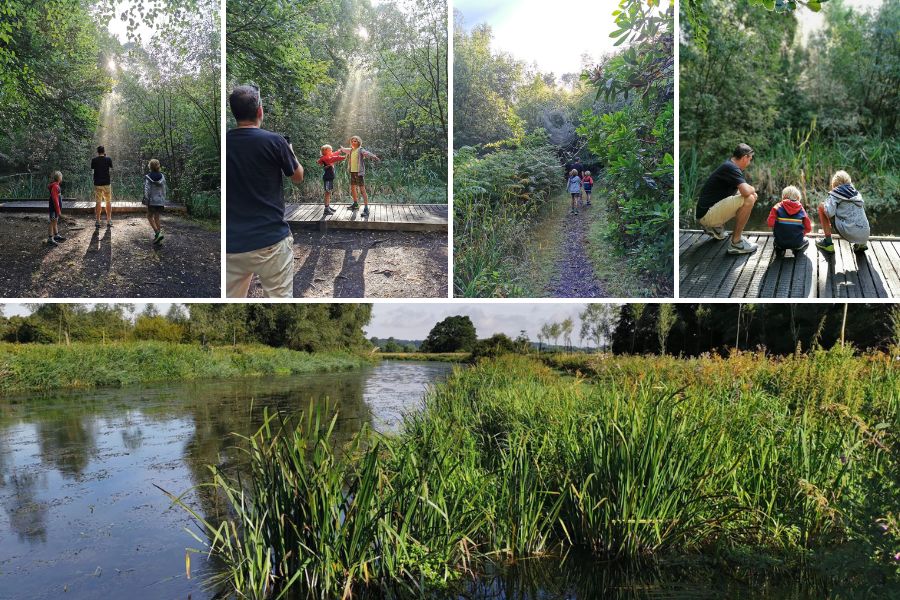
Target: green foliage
x,y
453,334
495,199
818,104
496,345
329,70
635,142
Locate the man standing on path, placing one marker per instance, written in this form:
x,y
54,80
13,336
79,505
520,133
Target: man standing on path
x,y
101,165
258,239
726,195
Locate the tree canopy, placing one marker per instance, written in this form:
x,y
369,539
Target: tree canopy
x,y
453,334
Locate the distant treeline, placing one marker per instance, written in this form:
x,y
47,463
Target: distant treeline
x,y
307,327
778,328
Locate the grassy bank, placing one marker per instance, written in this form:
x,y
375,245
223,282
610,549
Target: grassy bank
x,y
451,357
763,465
44,366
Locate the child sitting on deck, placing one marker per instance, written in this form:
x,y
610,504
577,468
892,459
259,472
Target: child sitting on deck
x,y
574,188
328,159
588,183
845,205
55,209
789,223
357,168
155,198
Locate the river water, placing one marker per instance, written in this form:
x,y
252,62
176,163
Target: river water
x,y
80,516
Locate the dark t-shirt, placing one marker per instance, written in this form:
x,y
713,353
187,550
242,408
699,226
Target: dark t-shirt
x,y
723,183
574,165
256,160
101,166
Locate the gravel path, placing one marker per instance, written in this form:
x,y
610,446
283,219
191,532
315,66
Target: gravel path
x,y
575,277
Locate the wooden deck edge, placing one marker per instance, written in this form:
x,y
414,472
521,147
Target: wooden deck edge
x,y
873,238
363,225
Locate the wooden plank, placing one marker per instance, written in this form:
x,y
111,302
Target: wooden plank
x,y
733,266
801,280
381,217
685,239
707,267
847,269
867,279
752,262
771,276
892,251
694,258
761,267
887,268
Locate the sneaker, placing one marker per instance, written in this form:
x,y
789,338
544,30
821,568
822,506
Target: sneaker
x,y
802,248
744,246
825,245
109,223
717,232
365,212
159,238
59,238
329,211
588,202
860,247
52,242
354,206
97,224
575,212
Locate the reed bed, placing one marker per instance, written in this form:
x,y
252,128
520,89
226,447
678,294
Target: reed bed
x,y
26,367
628,458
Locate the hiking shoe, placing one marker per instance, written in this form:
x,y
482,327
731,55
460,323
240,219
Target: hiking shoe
x,y
354,206
825,245
159,238
52,242
329,211
59,238
575,213
365,212
97,224
744,246
860,247
717,232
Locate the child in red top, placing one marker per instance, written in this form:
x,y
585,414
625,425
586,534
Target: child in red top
x,y
587,182
328,159
789,223
55,209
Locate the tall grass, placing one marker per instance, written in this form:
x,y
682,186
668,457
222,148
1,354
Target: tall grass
x,y
630,458
387,181
46,366
495,197
871,161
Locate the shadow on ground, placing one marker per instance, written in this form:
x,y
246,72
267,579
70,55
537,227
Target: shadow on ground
x,y
368,264
119,262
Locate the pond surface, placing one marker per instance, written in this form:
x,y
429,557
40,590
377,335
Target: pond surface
x,y
79,514
882,222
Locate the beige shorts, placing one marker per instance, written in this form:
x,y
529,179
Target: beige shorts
x,y
103,192
722,211
274,265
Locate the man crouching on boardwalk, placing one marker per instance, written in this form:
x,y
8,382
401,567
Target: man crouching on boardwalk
x,y
726,195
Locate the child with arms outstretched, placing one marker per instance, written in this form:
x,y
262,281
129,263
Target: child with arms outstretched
x,y
356,165
328,159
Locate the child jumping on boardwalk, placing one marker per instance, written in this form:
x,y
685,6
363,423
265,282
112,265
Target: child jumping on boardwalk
x,y
574,189
845,205
356,165
155,198
588,183
54,238
789,223
328,159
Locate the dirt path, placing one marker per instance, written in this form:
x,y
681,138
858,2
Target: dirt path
x,y
120,262
574,275
368,264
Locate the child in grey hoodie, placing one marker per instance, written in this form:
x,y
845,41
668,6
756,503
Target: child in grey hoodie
x,y
155,198
574,188
845,205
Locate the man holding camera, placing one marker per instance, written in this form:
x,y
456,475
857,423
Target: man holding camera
x,y
258,239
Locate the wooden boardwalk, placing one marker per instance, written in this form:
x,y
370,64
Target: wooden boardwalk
x,y
80,206
384,217
707,271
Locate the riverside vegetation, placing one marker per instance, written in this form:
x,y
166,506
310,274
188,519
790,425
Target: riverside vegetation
x,y
756,463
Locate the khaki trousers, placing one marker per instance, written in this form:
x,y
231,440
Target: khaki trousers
x,y
274,265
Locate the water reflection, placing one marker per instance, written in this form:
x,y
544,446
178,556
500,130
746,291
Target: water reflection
x,y
81,515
